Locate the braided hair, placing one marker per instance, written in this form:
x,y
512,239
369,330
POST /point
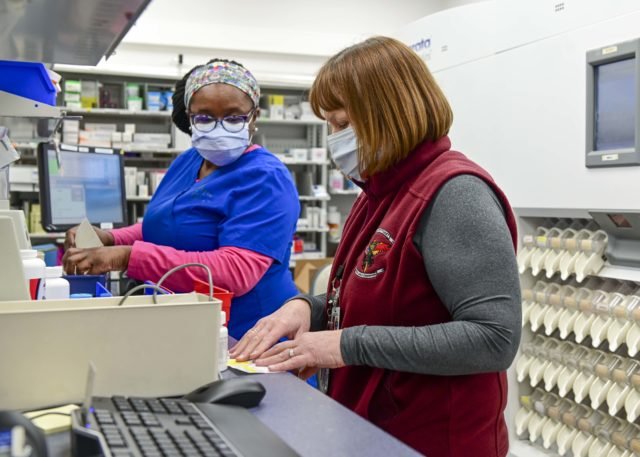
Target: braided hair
x,y
179,113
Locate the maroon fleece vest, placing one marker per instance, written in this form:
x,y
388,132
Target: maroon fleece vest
x,y
385,283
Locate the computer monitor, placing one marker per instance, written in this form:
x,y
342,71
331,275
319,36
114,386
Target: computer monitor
x,y
613,105
80,182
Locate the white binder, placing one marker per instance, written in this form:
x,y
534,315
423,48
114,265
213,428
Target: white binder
x,y
139,349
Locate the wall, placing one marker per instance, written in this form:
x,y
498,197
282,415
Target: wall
x,y
519,95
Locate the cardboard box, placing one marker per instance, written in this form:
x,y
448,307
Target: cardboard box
x,y
305,272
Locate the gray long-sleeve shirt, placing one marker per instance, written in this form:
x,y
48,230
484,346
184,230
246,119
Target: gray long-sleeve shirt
x,y
469,257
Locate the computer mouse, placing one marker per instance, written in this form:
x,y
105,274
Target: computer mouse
x,y
238,391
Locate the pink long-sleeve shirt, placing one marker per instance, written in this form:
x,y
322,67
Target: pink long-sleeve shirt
x,y
235,269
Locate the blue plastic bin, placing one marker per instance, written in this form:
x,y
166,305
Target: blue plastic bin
x,y
27,79
50,253
85,284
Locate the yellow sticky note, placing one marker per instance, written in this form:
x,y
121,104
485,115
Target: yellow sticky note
x,y
53,423
247,367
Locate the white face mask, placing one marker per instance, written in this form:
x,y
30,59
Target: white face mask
x,y
219,146
343,147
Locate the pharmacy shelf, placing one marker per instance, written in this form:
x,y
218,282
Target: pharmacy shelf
x,y
154,151
26,146
305,256
312,230
289,161
265,121
304,198
119,112
147,113
345,192
310,198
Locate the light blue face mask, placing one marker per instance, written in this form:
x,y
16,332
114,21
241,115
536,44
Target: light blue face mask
x,y
343,147
219,146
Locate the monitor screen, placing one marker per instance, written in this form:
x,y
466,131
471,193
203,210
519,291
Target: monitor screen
x,y
615,105
79,185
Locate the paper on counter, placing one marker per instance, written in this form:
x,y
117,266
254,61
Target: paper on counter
x,y
247,367
86,236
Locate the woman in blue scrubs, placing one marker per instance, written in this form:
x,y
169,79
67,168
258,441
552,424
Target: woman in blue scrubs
x,y
225,202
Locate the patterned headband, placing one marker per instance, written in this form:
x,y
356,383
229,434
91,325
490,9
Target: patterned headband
x,y
218,72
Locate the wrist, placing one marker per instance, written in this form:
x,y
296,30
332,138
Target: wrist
x,y
301,308
107,238
124,258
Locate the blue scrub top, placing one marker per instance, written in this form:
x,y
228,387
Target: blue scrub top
x,y
251,203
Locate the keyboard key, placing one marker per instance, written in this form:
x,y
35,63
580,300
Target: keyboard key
x,y
139,431
172,406
152,454
132,421
156,406
140,405
184,420
109,428
121,453
149,448
121,403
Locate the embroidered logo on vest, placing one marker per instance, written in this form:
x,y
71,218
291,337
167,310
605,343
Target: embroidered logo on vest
x,y
381,242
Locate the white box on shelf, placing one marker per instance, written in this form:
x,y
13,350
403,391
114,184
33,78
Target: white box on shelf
x,y
276,112
130,180
130,128
72,97
116,137
318,154
100,127
141,178
303,223
71,138
300,154
70,126
155,138
127,137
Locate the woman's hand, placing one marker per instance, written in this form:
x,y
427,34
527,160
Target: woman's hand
x,y
70,237
308,352
291,320
96,261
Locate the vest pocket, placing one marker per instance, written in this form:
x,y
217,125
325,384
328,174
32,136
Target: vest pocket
x,y
383,407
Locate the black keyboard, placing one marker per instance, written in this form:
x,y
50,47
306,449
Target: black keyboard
x,y
152,427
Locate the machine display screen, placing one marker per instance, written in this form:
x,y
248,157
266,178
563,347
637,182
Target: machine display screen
x,y
85,185
615,105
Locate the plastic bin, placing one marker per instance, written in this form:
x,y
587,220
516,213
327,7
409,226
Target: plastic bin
x,y
218,292
86,284
27,79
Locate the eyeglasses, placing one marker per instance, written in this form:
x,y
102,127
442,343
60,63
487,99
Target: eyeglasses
x,y
232,124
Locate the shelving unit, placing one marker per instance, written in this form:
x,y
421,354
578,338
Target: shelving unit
x,y
345,192
277,135
592,317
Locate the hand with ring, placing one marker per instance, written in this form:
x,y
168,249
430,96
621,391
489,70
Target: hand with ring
x,y
306,353
290,321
